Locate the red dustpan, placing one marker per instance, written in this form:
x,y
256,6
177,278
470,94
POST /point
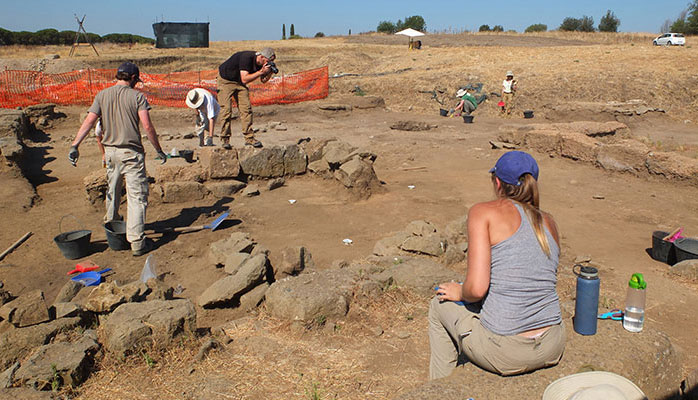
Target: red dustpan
x,y
84,266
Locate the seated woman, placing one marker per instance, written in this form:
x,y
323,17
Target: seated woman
x,y
510,323
467,104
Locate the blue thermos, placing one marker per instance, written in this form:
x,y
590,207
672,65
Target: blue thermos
x,y
586,306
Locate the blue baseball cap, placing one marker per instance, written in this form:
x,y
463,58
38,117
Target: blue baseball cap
x,y
130,69
512,165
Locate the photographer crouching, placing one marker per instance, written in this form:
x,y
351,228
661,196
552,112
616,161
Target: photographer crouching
x,y
234,75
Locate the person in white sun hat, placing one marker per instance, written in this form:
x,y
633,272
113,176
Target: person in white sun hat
x,y
595,385
208,109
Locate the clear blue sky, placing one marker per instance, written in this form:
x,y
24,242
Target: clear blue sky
x,y
262,20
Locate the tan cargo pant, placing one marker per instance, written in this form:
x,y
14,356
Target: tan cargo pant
x,y
454,328
129,164
508,99
227,90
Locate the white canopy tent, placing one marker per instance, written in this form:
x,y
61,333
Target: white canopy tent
x,y
411,33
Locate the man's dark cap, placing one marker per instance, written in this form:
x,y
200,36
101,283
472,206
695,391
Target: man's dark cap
x,y
130,69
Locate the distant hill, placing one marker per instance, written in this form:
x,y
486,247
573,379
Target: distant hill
x,y
53,36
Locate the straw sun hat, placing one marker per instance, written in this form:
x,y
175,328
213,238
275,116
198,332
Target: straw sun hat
x,y
593,385
195,98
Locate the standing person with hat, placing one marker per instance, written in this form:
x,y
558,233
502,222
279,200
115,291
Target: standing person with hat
x,y
241,69
508,90
121,108
208,109
510,321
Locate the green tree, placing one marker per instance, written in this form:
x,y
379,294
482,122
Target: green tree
x,y
415,22
609,22
283,32
484,28
586,24
692,19
386,27
293,30
349,31
319,34
6,37
536,28
497,28
570,24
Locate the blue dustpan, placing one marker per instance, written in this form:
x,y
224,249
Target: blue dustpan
x,y
90,278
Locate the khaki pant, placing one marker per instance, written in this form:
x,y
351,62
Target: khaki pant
x,y
227,90
201,128
508,99
128,164
505,355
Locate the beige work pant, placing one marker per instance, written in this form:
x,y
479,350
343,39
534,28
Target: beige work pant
x,y
504,355
228,90
508,99
128,164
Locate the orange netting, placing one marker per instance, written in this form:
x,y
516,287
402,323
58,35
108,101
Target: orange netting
x,y
24,88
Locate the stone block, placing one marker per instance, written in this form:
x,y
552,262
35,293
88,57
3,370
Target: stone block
x,y
180,192
578,147
624,156
224,188
26,310
220,163
267,162
545,141
295,160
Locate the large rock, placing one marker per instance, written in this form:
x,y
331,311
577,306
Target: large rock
x,y
181,192
306,297
234,261
107,296
673,166
26,310
267,162
220,163
68,291
457,230
25,394
295,160
43,115
625,156
421,228
391,245
416,273
358,175
293,261
648,359
152,322
67,363
16,343
224,188
432,245
227,289
686,268
337,152
237,242
181,173
578,146
314,149
14,126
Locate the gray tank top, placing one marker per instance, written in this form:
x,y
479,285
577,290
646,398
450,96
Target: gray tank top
x,y
522,292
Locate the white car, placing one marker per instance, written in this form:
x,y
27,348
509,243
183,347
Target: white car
x,y
670,39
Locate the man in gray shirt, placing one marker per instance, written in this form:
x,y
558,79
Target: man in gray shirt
x,y
121,107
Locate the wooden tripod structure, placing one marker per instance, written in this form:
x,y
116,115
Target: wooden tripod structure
x,y
81,31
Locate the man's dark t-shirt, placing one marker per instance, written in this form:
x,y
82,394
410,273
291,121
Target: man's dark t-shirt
x,y
242,60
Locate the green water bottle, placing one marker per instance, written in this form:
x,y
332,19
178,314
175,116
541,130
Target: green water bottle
x,y
634,316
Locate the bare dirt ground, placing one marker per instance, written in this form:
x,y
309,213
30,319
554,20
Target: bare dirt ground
x,y
270,359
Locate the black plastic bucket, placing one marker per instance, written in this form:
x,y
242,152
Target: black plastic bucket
x,y
686,249
73,244
116,235
443,112
187,155
663,250
468,119
528,114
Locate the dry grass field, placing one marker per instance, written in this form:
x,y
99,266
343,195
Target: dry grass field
x,y
273,359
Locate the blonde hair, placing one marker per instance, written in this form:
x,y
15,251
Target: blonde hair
x,y
526,194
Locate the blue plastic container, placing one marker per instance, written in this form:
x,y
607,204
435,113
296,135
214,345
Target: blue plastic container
x,y
586,306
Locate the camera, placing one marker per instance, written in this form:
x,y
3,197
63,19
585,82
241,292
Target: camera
x,y
273,67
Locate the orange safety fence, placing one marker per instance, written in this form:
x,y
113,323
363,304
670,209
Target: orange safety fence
x,y
25,88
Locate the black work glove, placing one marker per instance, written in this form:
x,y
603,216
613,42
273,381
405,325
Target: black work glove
x,y
73,155
163,157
